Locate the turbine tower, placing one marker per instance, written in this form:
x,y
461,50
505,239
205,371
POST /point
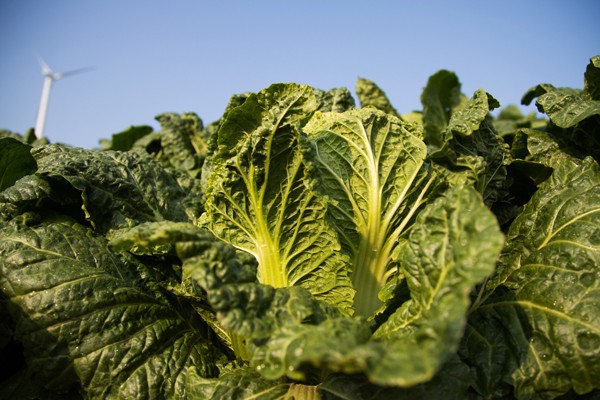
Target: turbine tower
x,y
49,78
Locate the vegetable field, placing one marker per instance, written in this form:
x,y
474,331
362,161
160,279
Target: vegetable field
x,y
311,244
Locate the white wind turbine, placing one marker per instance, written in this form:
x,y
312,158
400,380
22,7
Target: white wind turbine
x,y
49,78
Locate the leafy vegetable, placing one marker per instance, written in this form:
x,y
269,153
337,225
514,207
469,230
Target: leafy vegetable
x,y
100,317
370,164
304,247
16,162
260,200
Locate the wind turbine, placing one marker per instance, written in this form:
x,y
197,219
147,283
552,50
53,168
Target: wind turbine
x,y
49,78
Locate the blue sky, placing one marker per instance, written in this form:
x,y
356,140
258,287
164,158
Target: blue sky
x,y
182,55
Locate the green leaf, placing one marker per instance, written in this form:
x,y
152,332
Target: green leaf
x,y
469,118
371,165
440,97
294,333
240,383
260,199
35,194
86,315
592,79
370,95
23,194
151,238
16,161
566,107
451,383
258,314
550,268
453,245
183,145
510,119
474,153
334,100
126,139
208,264
119,189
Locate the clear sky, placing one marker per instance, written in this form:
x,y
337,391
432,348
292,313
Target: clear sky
x,y
155,56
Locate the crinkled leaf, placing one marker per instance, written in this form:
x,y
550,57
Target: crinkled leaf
x,y
262,316
240,383
34,194
566,107
260,200
183,144
453,245
484,157
573,114
194,245
155,237
287,332
371,165
474,153
550,268
444,262
334,100
548,149
336,344
370,95
248,309
88,315
469,118
119,189
24,193
16,161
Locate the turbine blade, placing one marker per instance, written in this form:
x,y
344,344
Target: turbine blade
x,y
73,72
45,68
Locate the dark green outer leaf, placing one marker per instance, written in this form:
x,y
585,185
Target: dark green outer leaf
x,y
539,90
25,192
119,190
183,144
451,383
551,268
484,347
125,140
85,314
592,79
15,161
